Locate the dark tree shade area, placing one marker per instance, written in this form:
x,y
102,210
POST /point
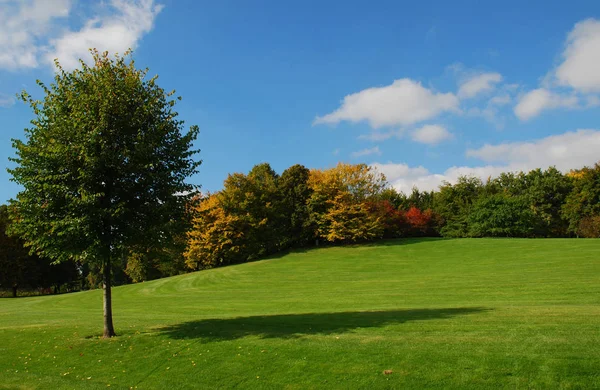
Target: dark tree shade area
x,y
20,270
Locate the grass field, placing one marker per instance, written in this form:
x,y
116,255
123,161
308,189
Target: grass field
x,y
468,313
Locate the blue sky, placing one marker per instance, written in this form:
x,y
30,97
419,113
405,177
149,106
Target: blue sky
x,y
424,91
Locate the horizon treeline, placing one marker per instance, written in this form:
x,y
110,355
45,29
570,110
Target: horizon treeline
x,y
262,213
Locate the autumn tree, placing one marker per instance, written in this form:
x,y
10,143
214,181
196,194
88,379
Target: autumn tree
x,y
583,202
340,202
103,167
216,238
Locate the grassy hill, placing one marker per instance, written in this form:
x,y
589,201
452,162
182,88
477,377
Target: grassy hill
x,y
437,313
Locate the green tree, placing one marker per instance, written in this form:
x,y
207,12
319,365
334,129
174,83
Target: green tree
x,y
502,215
103,167
254,201
454,202
294,194
544,191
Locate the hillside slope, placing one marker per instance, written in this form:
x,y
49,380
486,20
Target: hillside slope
x,y
437,313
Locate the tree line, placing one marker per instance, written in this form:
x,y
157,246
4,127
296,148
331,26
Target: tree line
x,y
261,213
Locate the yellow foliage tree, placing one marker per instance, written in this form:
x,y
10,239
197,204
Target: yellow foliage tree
x,y
341,201
215,236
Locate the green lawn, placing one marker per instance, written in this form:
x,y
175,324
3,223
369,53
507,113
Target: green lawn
x,y
467,313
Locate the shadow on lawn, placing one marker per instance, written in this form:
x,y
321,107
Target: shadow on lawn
x,y
296,325
382,242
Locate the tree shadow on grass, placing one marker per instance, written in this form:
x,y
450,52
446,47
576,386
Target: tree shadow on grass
x,y
376,243
297,325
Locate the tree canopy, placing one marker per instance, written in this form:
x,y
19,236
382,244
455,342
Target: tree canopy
x,y
103,167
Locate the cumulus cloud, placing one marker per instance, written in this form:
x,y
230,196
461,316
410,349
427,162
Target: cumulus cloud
x,y
404,178
579,69
565,151
534,102
477,84
404,102
115,33
367,152
431,134
23,23
33,32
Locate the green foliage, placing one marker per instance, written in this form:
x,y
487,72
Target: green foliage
x,y
262,213
544,192
502,216
423,200
294,193
104,165
454,203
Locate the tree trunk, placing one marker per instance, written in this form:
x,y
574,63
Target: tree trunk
x,y
14,289
109,330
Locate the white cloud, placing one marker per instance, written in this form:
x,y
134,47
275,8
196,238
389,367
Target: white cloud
x,y
367,152
115,33
580,68
382,135
538,100
431,134
493,111
565,151
579,71
477,84
404,102
592,101
501,100
23,23
404,178
6,100
36,31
